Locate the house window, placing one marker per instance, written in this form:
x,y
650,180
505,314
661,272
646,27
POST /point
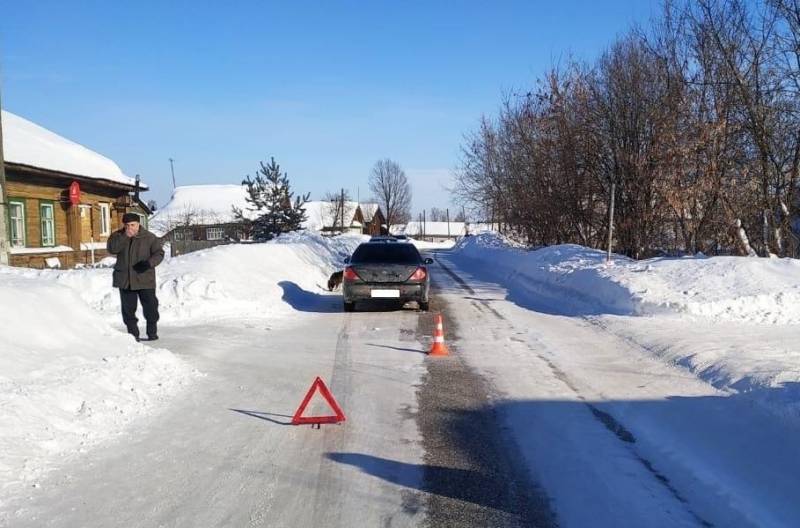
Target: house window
x,y
47,216
16,209
214,233
179,235
105,219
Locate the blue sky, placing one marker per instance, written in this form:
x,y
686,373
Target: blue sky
x,y
327,88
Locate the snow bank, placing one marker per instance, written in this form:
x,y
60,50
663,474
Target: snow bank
x,y
763,291
231,281
67,379
424,244
732,321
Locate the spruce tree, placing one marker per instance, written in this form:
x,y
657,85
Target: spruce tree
x,y
270,197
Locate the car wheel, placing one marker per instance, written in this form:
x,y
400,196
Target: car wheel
x,y
349,306
424,306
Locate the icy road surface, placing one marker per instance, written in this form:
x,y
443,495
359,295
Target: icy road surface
x,y
536,419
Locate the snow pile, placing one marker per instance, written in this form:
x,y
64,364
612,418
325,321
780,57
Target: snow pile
x,y
67,379
763,291
29,144
424,244
231,281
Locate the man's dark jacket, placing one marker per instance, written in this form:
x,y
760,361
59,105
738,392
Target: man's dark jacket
x,y
137,258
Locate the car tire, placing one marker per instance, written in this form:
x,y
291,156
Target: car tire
x,y
424,306
349,306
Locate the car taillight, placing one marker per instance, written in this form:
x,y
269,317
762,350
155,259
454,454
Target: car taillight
x,y
419,275
350,274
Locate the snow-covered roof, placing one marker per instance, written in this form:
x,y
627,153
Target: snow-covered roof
x,y
200,205
27,143
430,229
369,210
320,214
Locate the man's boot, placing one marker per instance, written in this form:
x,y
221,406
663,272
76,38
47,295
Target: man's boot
x,y
152,331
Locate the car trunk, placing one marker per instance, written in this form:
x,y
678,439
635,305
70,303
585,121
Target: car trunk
x,y
384,273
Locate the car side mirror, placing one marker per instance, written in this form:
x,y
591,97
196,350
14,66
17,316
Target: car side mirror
x,y
428,260
346,260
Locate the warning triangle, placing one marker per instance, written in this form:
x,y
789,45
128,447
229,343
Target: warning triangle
x,y
323,389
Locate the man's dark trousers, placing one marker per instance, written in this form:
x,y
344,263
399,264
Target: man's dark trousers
x,y
149,306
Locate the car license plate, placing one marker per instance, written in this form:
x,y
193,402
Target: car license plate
x,y
385,294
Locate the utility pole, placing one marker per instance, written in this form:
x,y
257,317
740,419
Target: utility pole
x,y
447,212
424,227
172,168
342,204
4,242
611,222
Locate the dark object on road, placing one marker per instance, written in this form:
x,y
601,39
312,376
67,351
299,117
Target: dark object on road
x,y
378,270
335,280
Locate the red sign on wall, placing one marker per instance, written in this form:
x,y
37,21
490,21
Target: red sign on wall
x,y
74,193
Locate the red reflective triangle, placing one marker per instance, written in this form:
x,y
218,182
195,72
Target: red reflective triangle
x,y
335,418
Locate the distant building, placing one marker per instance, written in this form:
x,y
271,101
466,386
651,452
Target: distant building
x,y
202,216
439,231
64,200
431,231
361,218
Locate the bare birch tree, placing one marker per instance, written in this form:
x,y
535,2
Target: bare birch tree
x,y
390,188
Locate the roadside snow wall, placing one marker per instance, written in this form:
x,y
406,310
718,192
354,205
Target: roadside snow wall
x,y
231,281
738,289
67,379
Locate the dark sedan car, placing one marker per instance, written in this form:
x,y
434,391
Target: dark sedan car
x,y
378,270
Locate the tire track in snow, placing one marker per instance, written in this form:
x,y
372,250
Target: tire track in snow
x,y
329,486
606,419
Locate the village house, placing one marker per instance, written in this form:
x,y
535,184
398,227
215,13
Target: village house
x,y
359,218
63,200
202,216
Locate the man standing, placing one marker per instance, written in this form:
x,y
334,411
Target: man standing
x,y
138,252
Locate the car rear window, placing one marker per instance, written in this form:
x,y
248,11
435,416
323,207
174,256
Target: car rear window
x,y
386,253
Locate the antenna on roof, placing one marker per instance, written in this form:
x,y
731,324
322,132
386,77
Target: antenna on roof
x,y
172,168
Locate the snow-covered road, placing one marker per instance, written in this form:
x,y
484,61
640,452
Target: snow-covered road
x,y
533,413
225,454
614,434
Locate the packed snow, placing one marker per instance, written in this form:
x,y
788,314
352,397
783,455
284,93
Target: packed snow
x,y
71,378
27,143
67,379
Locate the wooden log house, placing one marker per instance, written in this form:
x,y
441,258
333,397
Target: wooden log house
x,y
63,199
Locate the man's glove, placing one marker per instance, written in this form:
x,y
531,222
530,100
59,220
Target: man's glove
x,y
142,266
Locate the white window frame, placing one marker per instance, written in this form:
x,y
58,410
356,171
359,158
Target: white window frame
x,y
20,203
215,230
42,207
179,235
105,218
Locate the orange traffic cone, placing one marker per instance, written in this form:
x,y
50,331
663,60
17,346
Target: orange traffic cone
x,y
438,348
